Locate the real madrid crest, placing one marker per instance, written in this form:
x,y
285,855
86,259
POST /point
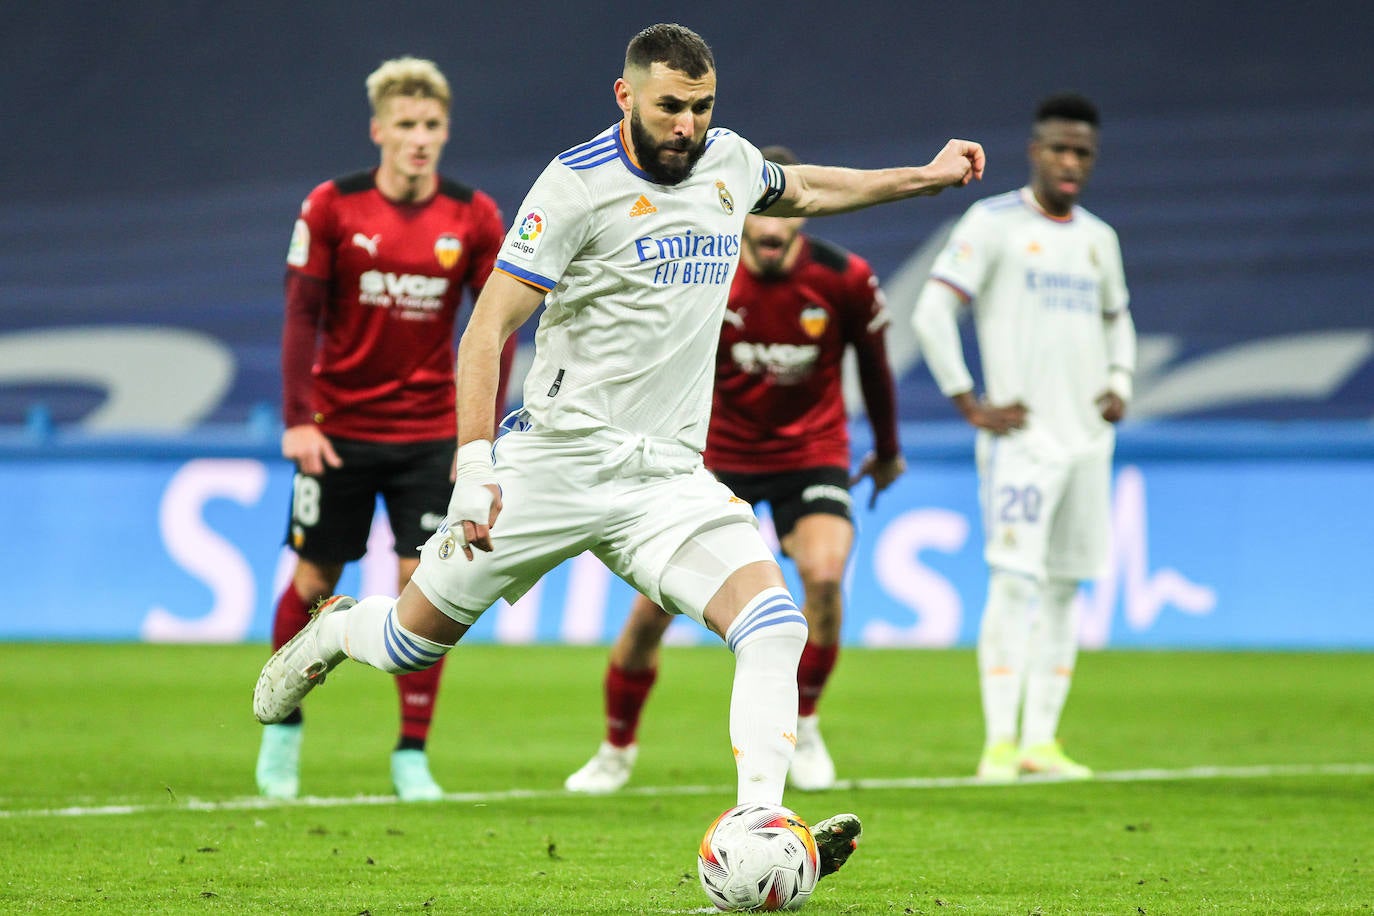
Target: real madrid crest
x,y
727,203
446,547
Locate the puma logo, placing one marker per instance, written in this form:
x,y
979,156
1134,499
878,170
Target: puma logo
x,y
367,244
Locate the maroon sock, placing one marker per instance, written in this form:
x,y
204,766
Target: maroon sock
x,y
293,613
626,692
419,692
812,672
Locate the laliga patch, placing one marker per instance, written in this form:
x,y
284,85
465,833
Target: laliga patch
x,y
448,250
528,232
727,203
299,252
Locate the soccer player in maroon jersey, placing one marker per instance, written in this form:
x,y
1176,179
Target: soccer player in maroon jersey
x,y
778,435
376,271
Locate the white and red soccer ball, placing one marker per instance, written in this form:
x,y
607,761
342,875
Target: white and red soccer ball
x,y
758,857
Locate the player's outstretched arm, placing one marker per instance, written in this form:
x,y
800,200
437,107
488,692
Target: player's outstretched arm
x,y
821,190
504,305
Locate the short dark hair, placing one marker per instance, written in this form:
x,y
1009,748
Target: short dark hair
x,y
779,154
1067,106
672,44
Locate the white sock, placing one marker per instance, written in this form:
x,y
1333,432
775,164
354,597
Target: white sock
x,y
369,632
767,638
1002,645
1049,666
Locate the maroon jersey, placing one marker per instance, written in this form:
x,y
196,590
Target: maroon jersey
x,y
373,291
779,403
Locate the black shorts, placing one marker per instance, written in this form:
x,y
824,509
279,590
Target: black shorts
x,y
331,515
792,494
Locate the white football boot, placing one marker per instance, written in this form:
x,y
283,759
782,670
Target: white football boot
x,y
297,667
812,769
607,771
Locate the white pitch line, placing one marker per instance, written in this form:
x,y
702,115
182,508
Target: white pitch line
x,y
253,803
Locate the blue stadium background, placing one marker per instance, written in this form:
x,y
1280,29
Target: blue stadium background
x,y
155,155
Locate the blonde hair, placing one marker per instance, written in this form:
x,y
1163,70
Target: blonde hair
x,y
411,76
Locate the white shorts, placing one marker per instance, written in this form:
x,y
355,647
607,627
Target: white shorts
x,y
631,501
1044,516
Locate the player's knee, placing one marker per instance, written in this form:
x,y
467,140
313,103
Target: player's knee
x,y
1061,592
771,615
821,568
647,620
636,648
1011,589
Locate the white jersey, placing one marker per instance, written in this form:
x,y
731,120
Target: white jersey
x,y
1040,287
637,276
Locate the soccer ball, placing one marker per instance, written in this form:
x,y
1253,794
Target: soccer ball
x,y
758,857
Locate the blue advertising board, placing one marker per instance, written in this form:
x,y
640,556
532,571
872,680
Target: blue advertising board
x,y
1259,548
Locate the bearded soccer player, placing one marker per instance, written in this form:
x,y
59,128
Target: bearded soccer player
x,y
1049,302
376,272
779,434
630,241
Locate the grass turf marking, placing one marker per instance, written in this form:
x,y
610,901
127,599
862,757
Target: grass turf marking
x,y
250,803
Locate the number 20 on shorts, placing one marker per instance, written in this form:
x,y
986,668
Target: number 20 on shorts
x,y
1019,504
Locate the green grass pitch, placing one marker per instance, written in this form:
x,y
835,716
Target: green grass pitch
x,y
1231,783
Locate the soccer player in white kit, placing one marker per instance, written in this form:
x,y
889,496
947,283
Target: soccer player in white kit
x,y
630,241
1058,350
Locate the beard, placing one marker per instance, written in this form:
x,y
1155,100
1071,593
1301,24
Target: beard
x,y
769,254
648,154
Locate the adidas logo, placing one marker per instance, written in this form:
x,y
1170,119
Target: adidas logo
x,y
642,207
